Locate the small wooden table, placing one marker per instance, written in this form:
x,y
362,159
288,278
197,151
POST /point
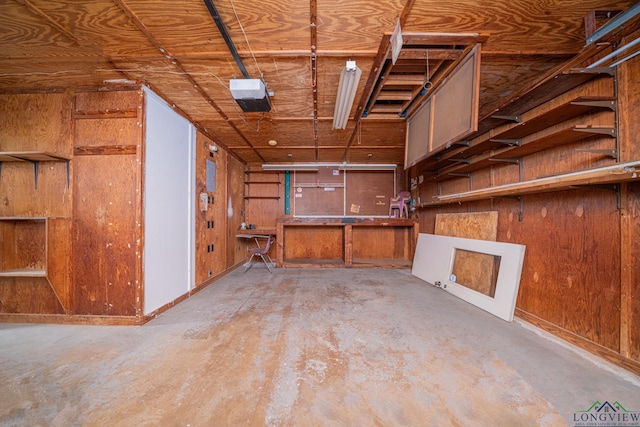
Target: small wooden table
x,y
256,234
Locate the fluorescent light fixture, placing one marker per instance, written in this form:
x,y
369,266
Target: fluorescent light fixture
x,y
316,166
368,166
290,167
349,78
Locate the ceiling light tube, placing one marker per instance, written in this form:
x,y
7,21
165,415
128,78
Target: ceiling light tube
x,y
349,78
368,166
290,167
316,166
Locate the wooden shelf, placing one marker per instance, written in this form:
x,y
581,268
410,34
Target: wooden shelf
x,y
262,182
24,248
621,172
545,91
564,112
564,136
514,153
512,135
263,197
248,183
31,156
34,157
38,250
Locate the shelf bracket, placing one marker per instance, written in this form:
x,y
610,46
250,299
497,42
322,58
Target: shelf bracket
x,y
596,130
609,187
594,70
515,119
460,143
515,161
519,199
605,152
513,142
598,104
36,167
465,161
68,173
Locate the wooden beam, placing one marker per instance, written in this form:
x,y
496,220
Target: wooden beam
x,y
52,22
421,54
443,39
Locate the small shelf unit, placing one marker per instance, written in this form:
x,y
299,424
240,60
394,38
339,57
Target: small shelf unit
x,y
33,157
248,182
34,250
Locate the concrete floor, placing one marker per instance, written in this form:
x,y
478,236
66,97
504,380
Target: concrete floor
x,y
315,347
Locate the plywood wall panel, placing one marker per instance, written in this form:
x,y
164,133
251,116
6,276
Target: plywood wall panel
x,y
211,225
108,101
234,210
314,243
629,105
456,185
36,122
631,272
28,295
571,272
383,243
103,133
59,247
105,234
471,225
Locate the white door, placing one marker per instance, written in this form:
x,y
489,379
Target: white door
x,y
169,225
436,259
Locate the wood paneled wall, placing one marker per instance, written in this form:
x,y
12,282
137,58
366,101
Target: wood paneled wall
x,y
581,270
107,209
235,210
217,248
36,122
93,235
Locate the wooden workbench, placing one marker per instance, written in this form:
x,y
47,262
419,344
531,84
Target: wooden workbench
x,y
345,242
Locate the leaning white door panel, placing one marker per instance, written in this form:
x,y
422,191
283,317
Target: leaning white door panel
x,y
434,262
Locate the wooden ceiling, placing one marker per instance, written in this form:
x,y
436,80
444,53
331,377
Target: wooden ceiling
x,y
299,48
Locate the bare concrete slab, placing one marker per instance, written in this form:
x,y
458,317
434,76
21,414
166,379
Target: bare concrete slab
x,y
327,347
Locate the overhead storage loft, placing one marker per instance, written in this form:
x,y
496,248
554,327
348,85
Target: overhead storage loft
x,y
147,148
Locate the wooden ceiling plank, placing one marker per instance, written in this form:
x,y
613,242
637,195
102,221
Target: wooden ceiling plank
x,y
134,18
394,95
404,80
422,54
38,12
